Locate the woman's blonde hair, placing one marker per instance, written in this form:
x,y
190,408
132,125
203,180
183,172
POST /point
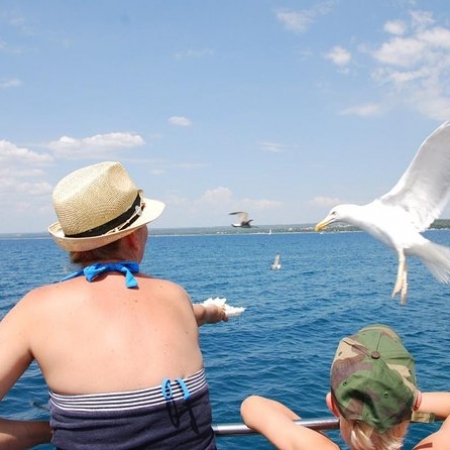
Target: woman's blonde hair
x,y
361,436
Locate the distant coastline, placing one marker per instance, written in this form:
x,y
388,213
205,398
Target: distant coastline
x,y
227,230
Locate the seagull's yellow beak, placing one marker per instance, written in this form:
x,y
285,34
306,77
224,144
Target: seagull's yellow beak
x,y
322,224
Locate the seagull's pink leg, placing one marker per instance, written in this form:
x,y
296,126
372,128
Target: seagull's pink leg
x,y
401,284
404,285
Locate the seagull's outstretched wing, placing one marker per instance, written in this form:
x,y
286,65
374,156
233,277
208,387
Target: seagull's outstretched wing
x,y
242,216
424,189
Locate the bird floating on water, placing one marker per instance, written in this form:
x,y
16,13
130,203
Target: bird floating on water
x,y
398,217
243,220
276,265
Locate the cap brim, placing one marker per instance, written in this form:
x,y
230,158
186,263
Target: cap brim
x,y
152,210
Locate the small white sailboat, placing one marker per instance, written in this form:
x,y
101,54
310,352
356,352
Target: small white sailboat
x,y
276,263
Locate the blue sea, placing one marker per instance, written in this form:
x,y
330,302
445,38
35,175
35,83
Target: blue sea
x,y
329,285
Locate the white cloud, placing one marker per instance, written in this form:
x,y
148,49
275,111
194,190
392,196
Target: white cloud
x,y
300,21
432,101
22,177
11,153
18,22
262,204
325,201
180,121
398,78
369,109
421,19
190,165
157,171
37,188
188,54
339,56
67,146
7,180
400,52
221,198
438,38
397,27
219,195
416,66
273,147
10,83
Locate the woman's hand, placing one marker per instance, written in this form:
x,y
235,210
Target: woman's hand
x,y
209,314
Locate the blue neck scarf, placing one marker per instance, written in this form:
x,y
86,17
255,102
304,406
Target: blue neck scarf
x,y
93,271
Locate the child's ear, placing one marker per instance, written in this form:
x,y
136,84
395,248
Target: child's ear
x,y
331,405
418,400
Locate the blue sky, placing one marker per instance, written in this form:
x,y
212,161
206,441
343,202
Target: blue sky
x,y
279,108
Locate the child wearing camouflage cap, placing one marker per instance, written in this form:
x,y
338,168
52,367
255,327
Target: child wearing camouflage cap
x,y
373,392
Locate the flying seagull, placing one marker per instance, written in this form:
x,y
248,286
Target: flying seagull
x,y
410,207
243,220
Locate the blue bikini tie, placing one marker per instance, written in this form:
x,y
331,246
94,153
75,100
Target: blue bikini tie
x,y
93,271
167,391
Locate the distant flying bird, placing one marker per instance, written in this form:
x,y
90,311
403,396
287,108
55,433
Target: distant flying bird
x,y
243,220
410,207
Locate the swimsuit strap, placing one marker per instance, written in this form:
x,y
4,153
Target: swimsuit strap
x,y
93,271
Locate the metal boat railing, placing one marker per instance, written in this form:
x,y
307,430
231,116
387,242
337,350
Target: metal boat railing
x,y
328,423
240,429
237,429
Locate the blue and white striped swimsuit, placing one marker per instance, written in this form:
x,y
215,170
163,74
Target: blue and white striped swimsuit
x,y
175,415
128,400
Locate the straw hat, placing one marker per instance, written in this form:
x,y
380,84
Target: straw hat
x,y
99,204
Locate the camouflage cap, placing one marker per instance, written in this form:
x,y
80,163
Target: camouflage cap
x,y
373,378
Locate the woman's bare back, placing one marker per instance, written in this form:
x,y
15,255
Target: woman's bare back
x,y
81,333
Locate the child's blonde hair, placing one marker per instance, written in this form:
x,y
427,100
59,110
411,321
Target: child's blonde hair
x,y
361,436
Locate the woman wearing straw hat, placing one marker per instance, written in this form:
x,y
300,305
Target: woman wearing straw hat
x,y
373,393
118,349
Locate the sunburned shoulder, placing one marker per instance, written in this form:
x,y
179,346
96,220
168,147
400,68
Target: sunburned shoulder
x,y
42,292
162,283
33,302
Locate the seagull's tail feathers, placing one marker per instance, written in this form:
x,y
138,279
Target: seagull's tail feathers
x,y
437,258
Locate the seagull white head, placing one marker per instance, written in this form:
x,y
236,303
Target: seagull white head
x,y
340,213
333,216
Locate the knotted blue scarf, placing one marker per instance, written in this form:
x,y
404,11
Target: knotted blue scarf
x,y
93,271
